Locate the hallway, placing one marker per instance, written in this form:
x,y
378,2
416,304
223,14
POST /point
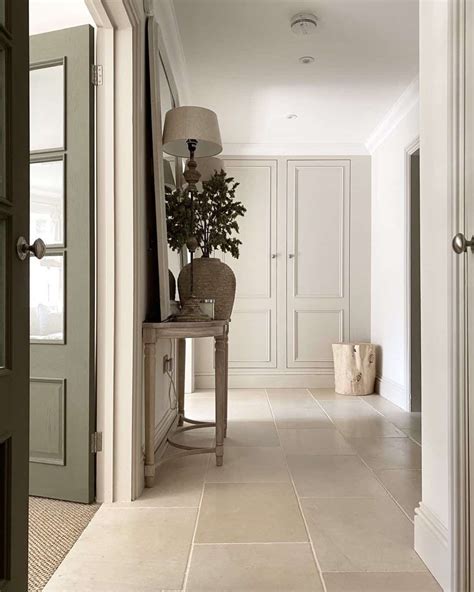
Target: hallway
x,y
317,492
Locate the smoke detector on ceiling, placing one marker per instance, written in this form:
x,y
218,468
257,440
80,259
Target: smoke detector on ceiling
x,y
304,23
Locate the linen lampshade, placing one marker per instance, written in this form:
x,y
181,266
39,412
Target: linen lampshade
x,y
191,123
208,166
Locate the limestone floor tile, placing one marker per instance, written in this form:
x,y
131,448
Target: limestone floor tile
x,y
123,549
381,582
239,433
247,464
388,453
404,485
178,483
284,394
399,417
333,476
358,534
327,394
356,420
243,395
203,409
300,411
414,434
313,441
253,568
250,513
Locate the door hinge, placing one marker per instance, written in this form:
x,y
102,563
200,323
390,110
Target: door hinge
x,y
97,74
96,442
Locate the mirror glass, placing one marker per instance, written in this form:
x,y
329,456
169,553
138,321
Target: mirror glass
x,y
171,164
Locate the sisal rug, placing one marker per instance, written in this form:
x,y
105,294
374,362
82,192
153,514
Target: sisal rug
x,y
54,527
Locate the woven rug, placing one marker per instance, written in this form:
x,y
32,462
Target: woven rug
x,y
54,527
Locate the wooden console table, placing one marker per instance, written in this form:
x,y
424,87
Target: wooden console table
x,y
152,332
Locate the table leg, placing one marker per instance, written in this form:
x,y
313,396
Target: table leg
x,y
181,368
220,349
150,377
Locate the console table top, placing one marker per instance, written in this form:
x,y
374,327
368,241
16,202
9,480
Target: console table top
x,y
177,330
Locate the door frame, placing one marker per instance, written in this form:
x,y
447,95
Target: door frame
x,y
457,278
119,185
409,151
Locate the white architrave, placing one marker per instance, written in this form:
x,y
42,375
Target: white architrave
x,y
120,175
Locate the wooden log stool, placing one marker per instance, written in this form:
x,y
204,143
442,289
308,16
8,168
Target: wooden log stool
x,y
354,368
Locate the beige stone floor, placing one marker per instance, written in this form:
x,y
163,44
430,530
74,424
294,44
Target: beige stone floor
x,y
317,492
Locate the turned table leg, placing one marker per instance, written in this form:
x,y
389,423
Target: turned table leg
x,y
181,369
150,378
220,349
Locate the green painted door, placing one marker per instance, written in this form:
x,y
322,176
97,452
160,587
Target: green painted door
x,y
62,394
14,354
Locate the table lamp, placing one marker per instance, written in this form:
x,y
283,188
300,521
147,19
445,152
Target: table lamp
x,y
191,132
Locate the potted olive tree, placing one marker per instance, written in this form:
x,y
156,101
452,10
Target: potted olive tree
x,y
214,225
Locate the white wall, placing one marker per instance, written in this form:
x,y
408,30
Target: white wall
x,y
389,252
432,519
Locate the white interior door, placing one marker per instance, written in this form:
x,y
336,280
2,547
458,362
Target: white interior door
x,y
318,226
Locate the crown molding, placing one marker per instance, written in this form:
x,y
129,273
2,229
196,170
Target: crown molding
x,y
294,149
165,16
399,110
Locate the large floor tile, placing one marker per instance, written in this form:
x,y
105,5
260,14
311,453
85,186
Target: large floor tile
x,y
404,485
247,464
313,441
356,420
178,483
203,409
327,394
399,417
123,549
381,582
253,568
239,433
332,476
300,411
388,453
250,513
414,434
361,535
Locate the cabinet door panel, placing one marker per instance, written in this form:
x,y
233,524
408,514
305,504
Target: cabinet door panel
x,y
318,260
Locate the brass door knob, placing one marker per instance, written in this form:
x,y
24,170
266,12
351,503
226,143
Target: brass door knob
x,y
38,248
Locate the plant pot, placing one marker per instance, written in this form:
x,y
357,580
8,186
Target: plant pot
x,y
212,279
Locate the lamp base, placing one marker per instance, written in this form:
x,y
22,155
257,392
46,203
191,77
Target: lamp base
x,y
191,312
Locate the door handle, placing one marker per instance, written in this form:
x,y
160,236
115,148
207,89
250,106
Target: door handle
x,y
291,256
461,244
38,248
274,255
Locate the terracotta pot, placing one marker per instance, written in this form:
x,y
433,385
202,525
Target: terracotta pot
x,y
212,279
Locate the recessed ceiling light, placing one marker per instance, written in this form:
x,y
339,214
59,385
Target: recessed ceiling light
x,y
292,116
306,60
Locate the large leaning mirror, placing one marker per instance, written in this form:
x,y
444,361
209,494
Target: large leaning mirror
x,y
167,170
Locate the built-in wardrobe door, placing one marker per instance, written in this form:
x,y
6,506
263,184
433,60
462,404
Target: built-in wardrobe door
x,y
318,223
252,336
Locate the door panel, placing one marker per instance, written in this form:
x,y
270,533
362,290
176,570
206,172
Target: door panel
x,y
318,260
14,354
62,283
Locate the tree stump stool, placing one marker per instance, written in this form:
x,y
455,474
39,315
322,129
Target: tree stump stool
x,y
354,368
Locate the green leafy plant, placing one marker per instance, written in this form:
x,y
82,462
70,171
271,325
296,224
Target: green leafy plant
x,y
215,216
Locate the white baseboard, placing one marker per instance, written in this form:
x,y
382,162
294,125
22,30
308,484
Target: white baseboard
x,y
393,391
431,544
270,380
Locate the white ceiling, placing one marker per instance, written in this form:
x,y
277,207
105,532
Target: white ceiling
x,y
242,62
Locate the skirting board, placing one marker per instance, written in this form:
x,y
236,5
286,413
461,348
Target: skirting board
x,y
163,426
270,380
393,391
431,544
